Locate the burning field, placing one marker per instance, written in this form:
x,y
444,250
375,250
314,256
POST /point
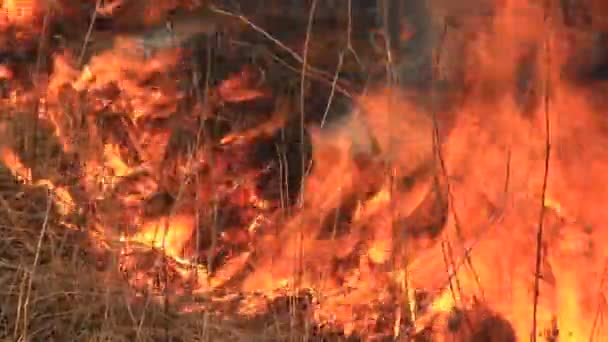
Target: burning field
x,y
318,170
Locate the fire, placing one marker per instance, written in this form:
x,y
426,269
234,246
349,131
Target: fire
x,y
20,12
169,234
14,163
115,162
404,214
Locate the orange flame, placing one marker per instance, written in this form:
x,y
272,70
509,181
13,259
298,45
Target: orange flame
x,y
168,233
373,172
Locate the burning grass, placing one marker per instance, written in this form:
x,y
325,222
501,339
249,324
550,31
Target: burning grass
x,y
57,287
169,185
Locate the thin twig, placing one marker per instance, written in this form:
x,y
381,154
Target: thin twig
x,y
340,86
449,265
601,303
300,59
311,17
349,34
349,48
437,143
333,88
42,45
453,285
541,219
87,37
399,252
32,272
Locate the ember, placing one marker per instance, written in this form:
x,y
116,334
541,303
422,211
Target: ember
x,y
308,171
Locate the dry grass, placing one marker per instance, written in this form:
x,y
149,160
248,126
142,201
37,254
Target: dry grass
x,y
56,287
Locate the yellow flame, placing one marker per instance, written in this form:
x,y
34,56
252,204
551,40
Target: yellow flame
x,y
167,233
13,162
114,161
